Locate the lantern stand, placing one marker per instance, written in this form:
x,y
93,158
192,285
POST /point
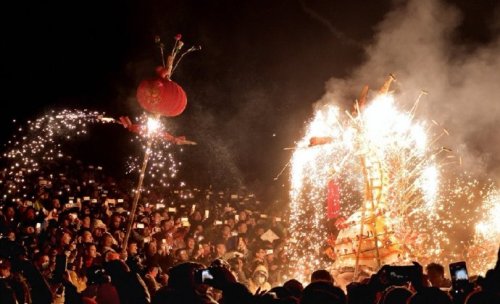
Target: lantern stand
x,y
138,190
165,72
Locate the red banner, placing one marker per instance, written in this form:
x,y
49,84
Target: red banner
x,y
333,200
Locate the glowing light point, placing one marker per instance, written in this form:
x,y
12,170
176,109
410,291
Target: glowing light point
x,y
153,124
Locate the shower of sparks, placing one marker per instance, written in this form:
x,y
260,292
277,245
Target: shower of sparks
x,y
462,204
162,166
38,144
482,253
397,148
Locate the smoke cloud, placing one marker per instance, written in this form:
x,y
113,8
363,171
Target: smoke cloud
x,y
416,42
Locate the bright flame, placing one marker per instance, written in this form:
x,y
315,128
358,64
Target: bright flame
x,y
153,124
380,144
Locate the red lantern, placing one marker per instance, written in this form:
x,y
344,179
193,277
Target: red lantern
x,y
162,96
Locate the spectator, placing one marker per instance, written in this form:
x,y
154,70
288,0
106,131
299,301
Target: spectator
x,y
395,295
174,239
321,276
482,297
220,249
182,287
237,267
152,271
13,287
294,287
77,275
322,292
435,275
133,260
191,247
42,263
131,288
258,281
99,287
182,255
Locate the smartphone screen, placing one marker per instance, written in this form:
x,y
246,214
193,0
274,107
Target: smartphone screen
x,y
459,274
398,275
205,274
202,275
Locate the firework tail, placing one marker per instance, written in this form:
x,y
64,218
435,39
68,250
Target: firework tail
x,y
415,105
282,170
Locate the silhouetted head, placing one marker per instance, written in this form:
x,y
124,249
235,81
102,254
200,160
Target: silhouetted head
x,y
181,277
481,297
321,275
432,295
322,292
294,287
396,295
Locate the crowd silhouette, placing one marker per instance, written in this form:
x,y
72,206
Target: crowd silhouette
x,y
63,243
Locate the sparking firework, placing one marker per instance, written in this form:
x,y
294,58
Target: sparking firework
x,y
162,166
482,252
39,143
385,169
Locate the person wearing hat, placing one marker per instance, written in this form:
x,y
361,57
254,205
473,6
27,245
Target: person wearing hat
x,y
99,224
259,279
237,267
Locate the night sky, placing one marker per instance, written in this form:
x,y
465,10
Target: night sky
x,y
251,88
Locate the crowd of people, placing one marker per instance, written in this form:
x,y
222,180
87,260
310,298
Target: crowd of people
x,y
64,243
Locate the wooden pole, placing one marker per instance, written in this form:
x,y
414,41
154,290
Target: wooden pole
x,y
138,191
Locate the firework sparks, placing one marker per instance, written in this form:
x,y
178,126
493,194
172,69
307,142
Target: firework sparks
x,y
39,143
380,146
482,253
162,166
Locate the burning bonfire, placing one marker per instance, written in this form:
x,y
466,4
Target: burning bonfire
x,y
378,170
